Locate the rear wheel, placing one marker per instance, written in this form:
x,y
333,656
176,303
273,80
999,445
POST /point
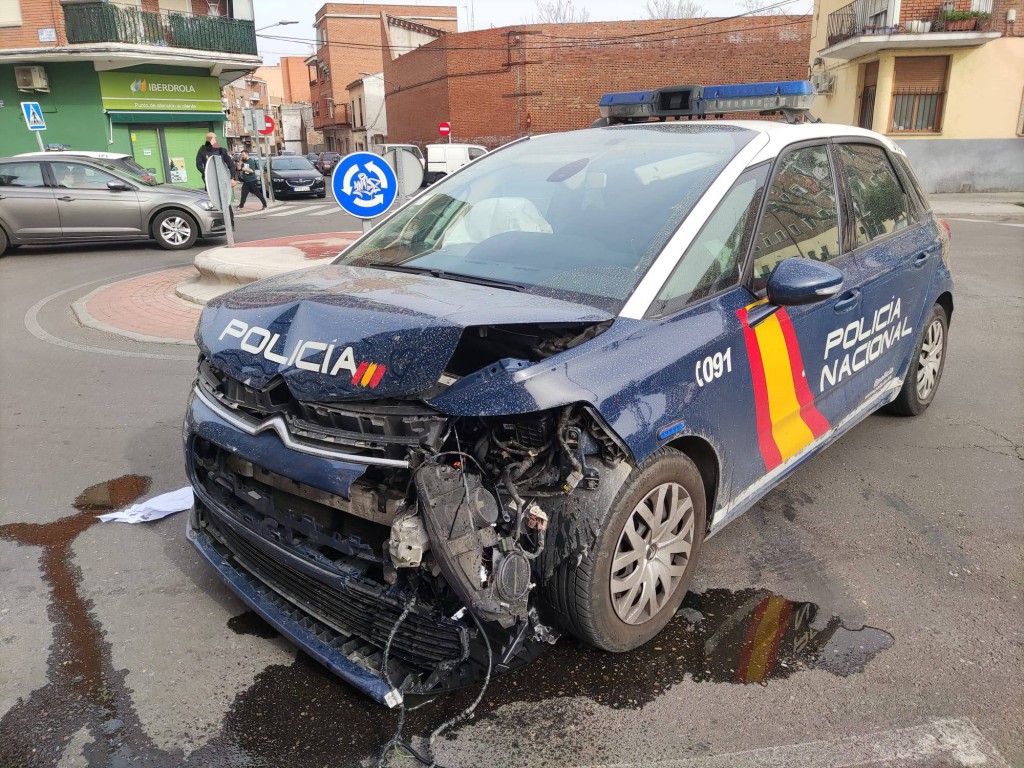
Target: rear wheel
x,y
4,243
925,371
624,592
175,230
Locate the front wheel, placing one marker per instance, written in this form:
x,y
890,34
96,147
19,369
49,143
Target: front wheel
x,y
925,371
629,586
175,230
3,241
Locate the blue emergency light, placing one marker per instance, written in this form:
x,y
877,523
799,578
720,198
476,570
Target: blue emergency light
x,y
702,101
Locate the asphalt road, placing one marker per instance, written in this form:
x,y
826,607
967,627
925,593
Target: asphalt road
x,y
888,571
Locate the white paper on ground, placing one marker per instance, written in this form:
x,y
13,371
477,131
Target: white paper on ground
x,y
157,507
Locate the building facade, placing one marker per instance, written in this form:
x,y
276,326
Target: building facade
x,y
143,78
943,78
348,48
366,109
495,85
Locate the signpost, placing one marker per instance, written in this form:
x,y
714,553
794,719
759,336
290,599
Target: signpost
x,y
364,185
254,118
445,129
218,187
34,120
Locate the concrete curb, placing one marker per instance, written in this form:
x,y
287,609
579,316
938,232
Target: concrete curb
x,y
222,269
78,307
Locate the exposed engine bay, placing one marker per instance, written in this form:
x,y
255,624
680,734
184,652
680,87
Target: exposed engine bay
x,y
448,514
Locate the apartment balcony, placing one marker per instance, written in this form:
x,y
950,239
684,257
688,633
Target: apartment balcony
x,y
102,23
866,26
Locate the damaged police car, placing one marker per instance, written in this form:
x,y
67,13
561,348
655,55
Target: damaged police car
x,y
519,405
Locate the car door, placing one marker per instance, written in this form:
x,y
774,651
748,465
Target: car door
x,y
89,208
28,207
795,403
898,248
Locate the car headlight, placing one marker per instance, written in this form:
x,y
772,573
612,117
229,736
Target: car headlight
x,y
207,205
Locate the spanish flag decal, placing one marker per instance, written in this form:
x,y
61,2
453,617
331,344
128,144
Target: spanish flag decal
x,y
787,420
369,375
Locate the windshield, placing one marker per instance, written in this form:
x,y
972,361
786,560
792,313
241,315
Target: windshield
x,y
578,215
290,164
130,168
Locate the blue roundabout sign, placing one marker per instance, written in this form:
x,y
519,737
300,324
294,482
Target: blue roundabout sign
x,y
364,185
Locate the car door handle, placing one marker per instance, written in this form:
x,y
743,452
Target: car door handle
x,y
66,198
920,260
847,301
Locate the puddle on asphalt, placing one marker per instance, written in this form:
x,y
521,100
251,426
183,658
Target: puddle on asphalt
x,y
300,714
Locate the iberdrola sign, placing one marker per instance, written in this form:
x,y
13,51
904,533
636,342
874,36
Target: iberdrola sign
x,y
136,92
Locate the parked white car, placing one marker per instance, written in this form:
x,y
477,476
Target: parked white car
x,y
443,159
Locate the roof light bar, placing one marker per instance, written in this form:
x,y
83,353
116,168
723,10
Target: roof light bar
x,y
701,101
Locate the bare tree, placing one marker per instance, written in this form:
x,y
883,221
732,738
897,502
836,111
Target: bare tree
x,y
760,8
675,9
557,12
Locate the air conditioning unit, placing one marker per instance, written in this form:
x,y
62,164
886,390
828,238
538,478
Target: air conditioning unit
x,y
31,79
823,82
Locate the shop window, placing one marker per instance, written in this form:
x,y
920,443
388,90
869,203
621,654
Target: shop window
x,y
880,205
919,94
810,169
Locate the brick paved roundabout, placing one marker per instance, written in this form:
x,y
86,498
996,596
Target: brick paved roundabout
x,y
155,308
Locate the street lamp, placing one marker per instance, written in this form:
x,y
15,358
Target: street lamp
x,y
283,23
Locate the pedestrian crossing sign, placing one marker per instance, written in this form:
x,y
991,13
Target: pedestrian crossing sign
x,y
33,115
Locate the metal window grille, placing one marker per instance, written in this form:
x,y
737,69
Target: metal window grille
x,y
917,111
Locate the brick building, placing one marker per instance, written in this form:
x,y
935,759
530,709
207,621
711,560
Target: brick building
x,y
348,48
495,85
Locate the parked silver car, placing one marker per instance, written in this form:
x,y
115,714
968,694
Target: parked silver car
x,y
79,199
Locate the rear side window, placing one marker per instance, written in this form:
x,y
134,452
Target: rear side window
x,y
474,153
880,206
21,175
801,215
911,181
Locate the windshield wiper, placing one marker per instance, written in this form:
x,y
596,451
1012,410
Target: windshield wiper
x,y
442,274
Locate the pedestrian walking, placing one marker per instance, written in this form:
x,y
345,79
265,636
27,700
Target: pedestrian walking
x,y
249,176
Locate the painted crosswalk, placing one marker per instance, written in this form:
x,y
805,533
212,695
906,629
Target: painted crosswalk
x,y
277,211
307,209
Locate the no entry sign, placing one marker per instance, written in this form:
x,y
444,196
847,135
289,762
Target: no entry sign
x,y
444,129
269,127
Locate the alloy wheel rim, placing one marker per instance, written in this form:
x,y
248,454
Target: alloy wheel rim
x,y
652,553
175,230
930,360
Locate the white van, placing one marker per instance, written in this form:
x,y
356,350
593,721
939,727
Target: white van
x,y
443,159
383,149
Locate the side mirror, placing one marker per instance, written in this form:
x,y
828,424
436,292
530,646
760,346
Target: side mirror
x,y
797,281
119,186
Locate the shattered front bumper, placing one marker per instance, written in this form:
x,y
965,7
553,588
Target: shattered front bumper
x,y
341,618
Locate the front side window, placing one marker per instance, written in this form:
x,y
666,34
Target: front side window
x,y
77,176
21,175
780,235
714,260
880,206
578,215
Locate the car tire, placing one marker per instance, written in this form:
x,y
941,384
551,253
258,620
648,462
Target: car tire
x,y
322,195
4,242
599,605
925,370
175,230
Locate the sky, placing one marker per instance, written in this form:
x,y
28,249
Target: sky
x,y
485,13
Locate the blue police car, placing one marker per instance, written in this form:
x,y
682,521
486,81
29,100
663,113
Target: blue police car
x,y
521,403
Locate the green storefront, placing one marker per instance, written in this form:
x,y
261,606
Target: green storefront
x,y
160,115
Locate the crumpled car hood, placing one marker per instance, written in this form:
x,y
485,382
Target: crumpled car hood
x,y
338,332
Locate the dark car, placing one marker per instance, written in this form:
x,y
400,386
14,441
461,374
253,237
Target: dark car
x,y
312,157
292,176
326,161
520,404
